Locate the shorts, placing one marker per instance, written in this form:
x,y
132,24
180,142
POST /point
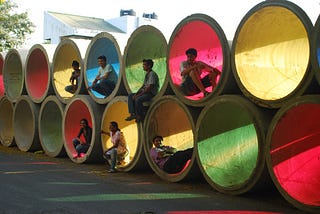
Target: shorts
x,y
189,88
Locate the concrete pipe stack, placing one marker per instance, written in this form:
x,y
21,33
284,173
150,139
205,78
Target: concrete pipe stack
x,y
257,127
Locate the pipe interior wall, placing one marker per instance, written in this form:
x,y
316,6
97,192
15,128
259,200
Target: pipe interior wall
x,y
50,126
102,44
38,72
230,144
145,42
293,151
117,110
271,53
13,74
25,124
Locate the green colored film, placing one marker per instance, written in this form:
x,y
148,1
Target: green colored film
x,y
230,157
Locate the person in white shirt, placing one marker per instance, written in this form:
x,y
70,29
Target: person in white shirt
x,y
106,80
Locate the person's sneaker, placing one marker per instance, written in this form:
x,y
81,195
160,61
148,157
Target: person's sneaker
x,y
112,170
205,94
131,117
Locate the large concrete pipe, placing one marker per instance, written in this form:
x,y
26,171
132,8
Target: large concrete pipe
x,y
271,52
13,74
203,33
230,136
79,107
293,151
146,42
171,118
2,58
117,110
67,51
6,122
38,72
25,124
50,126
103,44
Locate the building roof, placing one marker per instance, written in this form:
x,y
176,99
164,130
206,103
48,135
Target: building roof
x,y
84,22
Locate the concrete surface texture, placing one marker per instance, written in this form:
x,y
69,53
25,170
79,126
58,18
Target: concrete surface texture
x,y
35,183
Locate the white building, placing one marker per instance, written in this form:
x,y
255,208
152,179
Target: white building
x,y
59,25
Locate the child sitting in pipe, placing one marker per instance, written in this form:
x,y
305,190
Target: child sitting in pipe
x,y
74,78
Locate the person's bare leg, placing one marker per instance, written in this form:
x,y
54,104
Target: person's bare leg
x,y
213,77
195,76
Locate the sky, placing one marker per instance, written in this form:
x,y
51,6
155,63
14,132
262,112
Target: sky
x,y
227,13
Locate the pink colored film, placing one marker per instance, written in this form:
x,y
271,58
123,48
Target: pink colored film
x,y
37,74
295,152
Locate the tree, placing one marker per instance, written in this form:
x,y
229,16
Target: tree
x,y
14,27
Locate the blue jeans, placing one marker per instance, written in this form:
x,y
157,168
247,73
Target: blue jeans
x,y
80,148
112,157
70,88
104,87
135,106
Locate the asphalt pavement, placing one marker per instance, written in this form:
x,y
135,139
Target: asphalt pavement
x,y
33,183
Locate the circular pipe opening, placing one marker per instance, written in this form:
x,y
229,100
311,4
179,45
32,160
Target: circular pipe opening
x,y
13,74
25,124
210,43
38,71
102,44
66,52
37,75
169,118
293,152
271,53
145,42
6,122
79,107
75,112
50,126
116,111
230,144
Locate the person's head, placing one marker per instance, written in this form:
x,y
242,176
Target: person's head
x,y
102,61
75,64
84,123
157,140
147,64
114,126
191,54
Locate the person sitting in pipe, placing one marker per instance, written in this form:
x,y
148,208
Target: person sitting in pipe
x,y
146,92
74,78
116,154
80,145
191,71
107,78
168,158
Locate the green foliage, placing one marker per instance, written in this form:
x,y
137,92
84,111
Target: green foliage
x,y
14,27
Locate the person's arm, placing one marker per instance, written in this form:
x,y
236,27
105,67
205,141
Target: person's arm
x,y
203,65
187,69
104,132
88,136
79,134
